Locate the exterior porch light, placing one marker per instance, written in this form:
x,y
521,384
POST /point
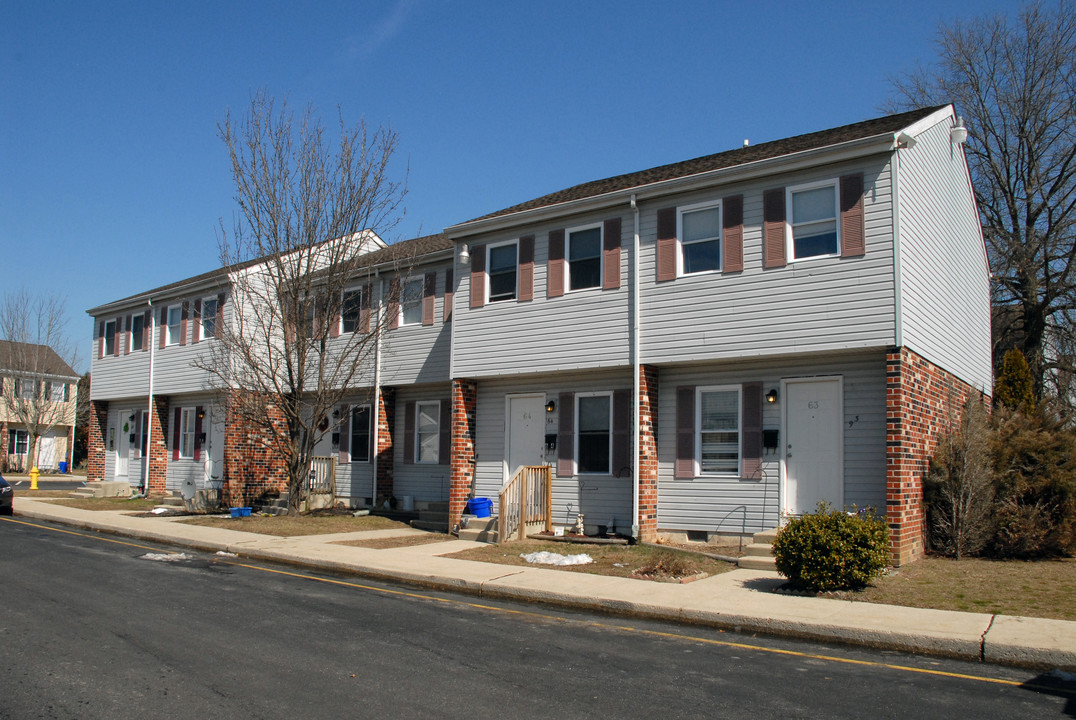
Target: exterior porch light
x,y
771,396
465,256
550,406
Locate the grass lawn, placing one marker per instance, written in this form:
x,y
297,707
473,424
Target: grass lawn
x,y
617,560
108,503
1044,588
286,526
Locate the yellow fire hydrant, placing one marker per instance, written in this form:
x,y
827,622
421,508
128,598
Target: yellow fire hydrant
x,y
33,477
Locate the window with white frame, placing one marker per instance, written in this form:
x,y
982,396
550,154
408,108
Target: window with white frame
x,y
585,258
411,302
427,431
594,436
186,433
700,237
25,388
57,391
209,317
717,426
360,434
812,220
138,329
110,337
18,442
502,271
351,310
174,324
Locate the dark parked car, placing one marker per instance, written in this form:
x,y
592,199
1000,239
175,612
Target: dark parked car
x,y
6,495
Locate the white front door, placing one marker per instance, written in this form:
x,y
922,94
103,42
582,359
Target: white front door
x,y
123,445
524,433
814,449
46,453
214,448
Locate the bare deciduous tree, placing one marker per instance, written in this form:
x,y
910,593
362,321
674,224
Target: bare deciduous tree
x,y
1014,84
36,360
308,213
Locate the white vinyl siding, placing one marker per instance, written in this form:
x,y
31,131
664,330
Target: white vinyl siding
x,y
425,482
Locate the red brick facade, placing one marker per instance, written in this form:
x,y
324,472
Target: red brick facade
x,y
464,402
157,447
251,468
3,446
386,425
648,453
95,441
920,401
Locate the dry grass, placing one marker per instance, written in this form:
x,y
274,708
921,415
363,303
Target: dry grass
x,y
108,503
287,526
26,492
616,560
398,542
1044,588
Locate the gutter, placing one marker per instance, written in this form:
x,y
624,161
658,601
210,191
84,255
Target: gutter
x,y
149,422
376,409
636,367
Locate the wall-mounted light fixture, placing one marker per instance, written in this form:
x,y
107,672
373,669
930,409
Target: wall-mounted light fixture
x,y
132,417
551,406
958,134
336,413
771,396
465,256
201,414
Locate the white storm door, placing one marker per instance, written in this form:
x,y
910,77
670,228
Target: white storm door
x,y
524,433
814,449
213,427
123,445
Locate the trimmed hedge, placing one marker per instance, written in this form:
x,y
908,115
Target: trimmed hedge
x,y
832,550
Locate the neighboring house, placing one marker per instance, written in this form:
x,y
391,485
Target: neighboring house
x,y
38,395
701,348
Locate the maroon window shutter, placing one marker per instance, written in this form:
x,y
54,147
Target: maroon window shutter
x,y
101,340
478,275
117,337
555,271
732,234
344,451
429,293
773,228
622,425
186,308
853,233
685,432
666,247
163,327
409,432
334,326
449,290
394,303
444,451
197,332
198,432
147,329
128,323
566,435
751,433
611,254
177,418
67,391
364,306
526,268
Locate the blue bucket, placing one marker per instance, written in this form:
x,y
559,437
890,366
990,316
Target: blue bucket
x,y
479,507
63,467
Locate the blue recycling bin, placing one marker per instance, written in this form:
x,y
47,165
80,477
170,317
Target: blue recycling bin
x,y
479,507
63,467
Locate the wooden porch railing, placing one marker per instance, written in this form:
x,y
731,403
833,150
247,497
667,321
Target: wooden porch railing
x,y
322,478
527,498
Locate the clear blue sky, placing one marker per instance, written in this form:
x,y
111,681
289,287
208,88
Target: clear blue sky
x,y
113,179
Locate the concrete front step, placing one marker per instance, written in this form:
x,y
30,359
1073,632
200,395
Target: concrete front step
x,y
758,550
758,555
758,562
479,529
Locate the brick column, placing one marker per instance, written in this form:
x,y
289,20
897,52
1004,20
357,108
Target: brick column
x,y
95,441
157,447
252,468
648,453
386,426
922,401
464,402
3,446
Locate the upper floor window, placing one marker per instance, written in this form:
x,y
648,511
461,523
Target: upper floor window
x,y
138,329
503,267
594,439
718,429
26,389
110,337
209,317
351,310
360,434
57,391
812,220
411,302
585,258
700,238
186,433
427,431
174,320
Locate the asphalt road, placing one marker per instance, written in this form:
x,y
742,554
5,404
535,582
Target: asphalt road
x,y
93,628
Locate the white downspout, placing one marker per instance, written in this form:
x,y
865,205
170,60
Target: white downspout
x,y
635,366
377,386
147,461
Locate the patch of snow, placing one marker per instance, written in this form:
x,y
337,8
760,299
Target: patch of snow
x,y
166,557
550,558
222,553
159,510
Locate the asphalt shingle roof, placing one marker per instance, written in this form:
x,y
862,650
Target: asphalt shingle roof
x,y
33,358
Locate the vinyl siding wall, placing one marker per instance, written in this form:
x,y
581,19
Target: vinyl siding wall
x,y
425,482
598,497
579,330
732,505
419,353
944,277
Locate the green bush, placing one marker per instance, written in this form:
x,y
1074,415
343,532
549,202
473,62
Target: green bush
x,y
832,550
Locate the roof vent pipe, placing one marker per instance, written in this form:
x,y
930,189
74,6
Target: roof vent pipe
x,y
958,135
746,142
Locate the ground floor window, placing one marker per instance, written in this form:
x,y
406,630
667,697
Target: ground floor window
x,y
360,434
594,437
427,431
18,442
186,433
718,424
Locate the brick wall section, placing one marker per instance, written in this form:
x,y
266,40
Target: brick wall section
x,y
386,426
464,401
648,453
157,462
95,441
3,446
252,470
921,402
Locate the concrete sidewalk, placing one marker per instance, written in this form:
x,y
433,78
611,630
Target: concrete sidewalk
x,y
741,600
